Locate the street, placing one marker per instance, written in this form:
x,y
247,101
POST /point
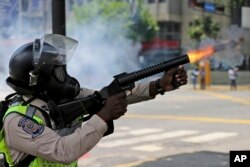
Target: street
x,y
52,48
186,127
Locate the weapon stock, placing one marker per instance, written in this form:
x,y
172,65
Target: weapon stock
x,y
64,114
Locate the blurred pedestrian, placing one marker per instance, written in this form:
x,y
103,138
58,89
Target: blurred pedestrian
x,y
202,78
232,75
194,76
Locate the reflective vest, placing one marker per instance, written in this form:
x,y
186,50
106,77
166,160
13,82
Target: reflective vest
x,y
37,162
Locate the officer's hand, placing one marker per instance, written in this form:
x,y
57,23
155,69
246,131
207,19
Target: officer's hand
x,y
173,78
114,107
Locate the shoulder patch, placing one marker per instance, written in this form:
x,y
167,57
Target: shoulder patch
x,y
31,127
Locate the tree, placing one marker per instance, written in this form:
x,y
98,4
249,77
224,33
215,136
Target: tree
x,y
144,27
202,28
140,27
235,11
236,3
199,29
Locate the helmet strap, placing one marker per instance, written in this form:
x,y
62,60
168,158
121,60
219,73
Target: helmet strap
x,y
37,50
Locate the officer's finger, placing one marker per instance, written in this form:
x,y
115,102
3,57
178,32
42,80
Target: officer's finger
x,y
184,82
182,70
171,70
121,95
181,67
116,116
181,75
120,111
122,103
123,111
181,79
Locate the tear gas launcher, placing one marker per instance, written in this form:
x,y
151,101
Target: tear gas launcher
x,y
64,114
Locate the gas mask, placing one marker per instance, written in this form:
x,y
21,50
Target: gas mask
x,y
61,85
51,54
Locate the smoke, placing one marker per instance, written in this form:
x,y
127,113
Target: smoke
x,y
17,29
103,51
7,47
229,46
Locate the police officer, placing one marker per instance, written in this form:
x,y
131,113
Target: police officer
x,y
38,74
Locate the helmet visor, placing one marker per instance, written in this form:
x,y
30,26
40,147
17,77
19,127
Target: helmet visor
x,y
55,49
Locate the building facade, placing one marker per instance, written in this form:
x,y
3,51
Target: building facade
x,y
174,17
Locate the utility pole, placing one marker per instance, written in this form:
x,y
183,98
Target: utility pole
x,y
58,17
247,60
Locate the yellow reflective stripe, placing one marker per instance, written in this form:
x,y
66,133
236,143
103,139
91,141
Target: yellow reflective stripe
x,y
45,163
4,149
22,110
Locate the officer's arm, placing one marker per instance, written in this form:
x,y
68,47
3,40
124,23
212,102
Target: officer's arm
x,y
139,93
28,137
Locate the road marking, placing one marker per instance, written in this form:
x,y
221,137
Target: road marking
x,y
123,128
184,118
145,131
209,137
147,148
135,132
230,98
136,163
147,138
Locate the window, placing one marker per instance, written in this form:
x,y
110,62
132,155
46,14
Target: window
x,y
25,5
161,1
169,30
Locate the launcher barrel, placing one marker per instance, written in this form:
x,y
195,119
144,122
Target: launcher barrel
x,y
152,70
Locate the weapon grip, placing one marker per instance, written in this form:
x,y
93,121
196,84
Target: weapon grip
x,y
114,88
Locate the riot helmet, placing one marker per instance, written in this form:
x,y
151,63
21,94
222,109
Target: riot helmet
x,y
40,67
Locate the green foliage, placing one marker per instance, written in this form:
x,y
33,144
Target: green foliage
x,y
139,27
107,10
202,28
144,27
236,3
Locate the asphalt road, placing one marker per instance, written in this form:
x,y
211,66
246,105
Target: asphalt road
x,y
184,128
